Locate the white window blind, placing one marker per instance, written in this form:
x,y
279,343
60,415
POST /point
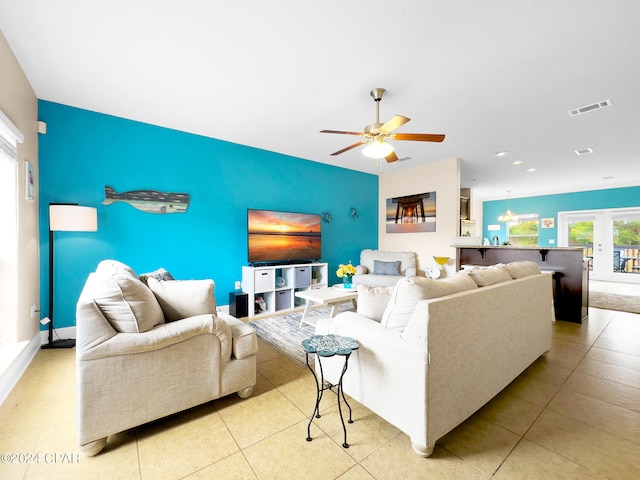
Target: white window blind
x,y
9,138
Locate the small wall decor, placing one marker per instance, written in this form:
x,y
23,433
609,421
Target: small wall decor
x,y
30,180
327,217
353,213
149,201
412,213
548,222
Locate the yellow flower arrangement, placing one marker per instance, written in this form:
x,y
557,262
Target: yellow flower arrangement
x,y
347,269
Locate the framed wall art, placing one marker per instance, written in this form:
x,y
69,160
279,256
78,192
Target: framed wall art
x,y
411,213
548,222
30,176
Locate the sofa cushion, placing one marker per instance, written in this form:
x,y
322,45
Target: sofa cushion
x,y
184,298
409,291
159,274
126,302
386,268
458,282
372,301
522,268
376,280
485,276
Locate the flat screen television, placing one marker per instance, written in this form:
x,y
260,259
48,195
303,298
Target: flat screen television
x,y
283,237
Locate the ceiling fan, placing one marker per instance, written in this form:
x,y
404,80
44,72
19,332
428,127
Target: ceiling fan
x,y
376,134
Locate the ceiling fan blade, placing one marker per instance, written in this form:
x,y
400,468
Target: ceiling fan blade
x,y
350,147
392,157
419,137
395,122
342,133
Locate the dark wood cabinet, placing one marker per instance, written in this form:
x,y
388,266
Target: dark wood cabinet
x,y
569,267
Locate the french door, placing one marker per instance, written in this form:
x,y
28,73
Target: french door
x,y
610,239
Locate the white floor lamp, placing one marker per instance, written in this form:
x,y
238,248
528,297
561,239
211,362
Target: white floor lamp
x,y
66,217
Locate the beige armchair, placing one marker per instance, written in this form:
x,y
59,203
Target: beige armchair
x,y
383,269
145,351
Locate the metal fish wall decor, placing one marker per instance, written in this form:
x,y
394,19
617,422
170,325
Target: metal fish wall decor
x,y
149,200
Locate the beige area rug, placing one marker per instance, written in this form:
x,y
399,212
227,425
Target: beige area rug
x,y
614,301
284,333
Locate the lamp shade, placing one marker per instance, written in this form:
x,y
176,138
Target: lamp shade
x,y
72,218
377,148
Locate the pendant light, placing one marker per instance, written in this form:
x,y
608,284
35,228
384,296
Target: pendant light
x,y
508,216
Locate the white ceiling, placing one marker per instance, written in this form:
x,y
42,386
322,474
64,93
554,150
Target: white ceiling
x,y
492,75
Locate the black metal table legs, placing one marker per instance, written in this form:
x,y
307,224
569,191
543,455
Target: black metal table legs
x,y
321,387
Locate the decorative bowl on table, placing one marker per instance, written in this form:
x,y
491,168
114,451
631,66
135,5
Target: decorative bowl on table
x,y
340,286
441,260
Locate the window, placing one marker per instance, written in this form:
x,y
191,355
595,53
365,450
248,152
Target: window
x,y
8,251
524,232
10,136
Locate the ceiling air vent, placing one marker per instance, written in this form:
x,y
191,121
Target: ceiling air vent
x,y
590,108
583,151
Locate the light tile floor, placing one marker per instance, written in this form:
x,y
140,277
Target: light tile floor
x,y
574,414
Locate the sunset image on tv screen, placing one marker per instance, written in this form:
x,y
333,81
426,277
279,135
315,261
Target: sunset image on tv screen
x,y
283,236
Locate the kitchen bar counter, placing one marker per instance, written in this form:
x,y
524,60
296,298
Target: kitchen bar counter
x,y
571,273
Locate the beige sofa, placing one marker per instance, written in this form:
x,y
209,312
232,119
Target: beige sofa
x,y
438,350
381,268
148,350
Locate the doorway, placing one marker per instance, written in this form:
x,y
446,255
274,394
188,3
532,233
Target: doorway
x,y
610,239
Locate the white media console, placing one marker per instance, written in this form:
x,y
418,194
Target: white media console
x,y
276,285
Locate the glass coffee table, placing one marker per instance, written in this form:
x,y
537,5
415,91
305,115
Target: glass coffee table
x,y
325,296
327,346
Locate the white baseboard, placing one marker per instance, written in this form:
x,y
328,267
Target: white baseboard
x,y
11,376
64,332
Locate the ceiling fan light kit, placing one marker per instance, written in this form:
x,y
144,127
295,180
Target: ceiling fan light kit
x,y
377,148
376,134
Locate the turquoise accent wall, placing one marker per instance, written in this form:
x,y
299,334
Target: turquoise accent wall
x,y
83,151
548,206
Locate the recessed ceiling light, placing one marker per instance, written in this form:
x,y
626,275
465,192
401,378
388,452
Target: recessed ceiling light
x,y
531,170
517,162
501,153
583,151
610,177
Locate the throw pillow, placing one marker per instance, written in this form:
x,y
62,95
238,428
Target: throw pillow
x,y
386,268
127,303
184,298
459,282
361,270
405,296
159,274
372,301
109,267
411,290
522,269
486,276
